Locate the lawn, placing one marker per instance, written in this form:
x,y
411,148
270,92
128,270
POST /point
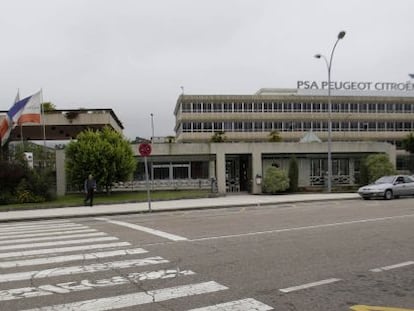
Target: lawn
x,y
113,198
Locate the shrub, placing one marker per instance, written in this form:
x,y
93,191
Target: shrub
x,y
275,180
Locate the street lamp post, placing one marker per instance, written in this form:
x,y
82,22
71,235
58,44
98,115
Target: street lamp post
x,y
152,127
329,67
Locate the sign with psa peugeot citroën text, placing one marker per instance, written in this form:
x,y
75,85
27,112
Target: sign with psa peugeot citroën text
x,y
356,86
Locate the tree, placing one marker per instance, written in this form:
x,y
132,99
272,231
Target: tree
x,y
48,106
275,180
275,137
378,165
408,143
218,137
104,154
293,174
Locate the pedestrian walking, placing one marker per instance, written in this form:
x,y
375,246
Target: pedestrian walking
x,y
90,187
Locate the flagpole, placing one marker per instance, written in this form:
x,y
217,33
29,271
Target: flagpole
x,y
42,112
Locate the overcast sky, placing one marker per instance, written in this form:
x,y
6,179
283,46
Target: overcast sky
x,y
133,56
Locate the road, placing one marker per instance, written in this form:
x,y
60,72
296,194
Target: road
x,y
338,255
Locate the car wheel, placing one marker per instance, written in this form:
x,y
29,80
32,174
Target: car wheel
x,y
388,195
366,198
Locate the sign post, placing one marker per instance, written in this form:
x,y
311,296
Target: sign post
x,y
145,150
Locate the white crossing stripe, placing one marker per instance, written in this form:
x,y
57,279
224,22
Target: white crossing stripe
x,y
81,241
308,285
51,238
66,258
39,230
63,250
32,223
41,227
136,299
248,304
98,267
399,265
76,286
28,235
162,234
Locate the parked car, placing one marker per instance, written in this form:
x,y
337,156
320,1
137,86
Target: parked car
x,y
388,187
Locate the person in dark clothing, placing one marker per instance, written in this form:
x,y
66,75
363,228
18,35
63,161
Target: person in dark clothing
x,y
90,187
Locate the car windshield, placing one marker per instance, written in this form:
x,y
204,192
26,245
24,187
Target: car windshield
x,y
384,180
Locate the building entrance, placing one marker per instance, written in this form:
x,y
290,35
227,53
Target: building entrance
x,y
238,173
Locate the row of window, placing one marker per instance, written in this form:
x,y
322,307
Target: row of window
x,y
297,107
294,126
176,170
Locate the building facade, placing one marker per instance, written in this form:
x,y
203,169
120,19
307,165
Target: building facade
x,y
292,113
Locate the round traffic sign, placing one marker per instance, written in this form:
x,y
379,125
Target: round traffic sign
x,y
144,149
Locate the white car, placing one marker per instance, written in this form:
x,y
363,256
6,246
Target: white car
x,y
388,187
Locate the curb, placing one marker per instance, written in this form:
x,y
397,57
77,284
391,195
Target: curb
x,y
164,210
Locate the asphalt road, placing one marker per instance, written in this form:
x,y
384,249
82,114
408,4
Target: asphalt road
x,y
339,255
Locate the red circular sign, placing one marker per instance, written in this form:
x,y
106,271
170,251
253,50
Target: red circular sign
x,y
144,149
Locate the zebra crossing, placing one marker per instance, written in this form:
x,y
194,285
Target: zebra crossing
x,y
43,264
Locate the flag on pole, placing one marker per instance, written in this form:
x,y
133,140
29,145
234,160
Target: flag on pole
x,y
31,111
26,110
411,75
8,123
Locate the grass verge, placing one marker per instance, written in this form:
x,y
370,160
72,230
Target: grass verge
x,y
71,200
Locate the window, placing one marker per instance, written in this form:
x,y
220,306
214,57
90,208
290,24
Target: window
x,y
381,108
344,107
258,126
268,126
354,126
335,107
335,126
186,107
372,108
207,127
354,108
207,107
199,170
324,107
390,126
316,107
278,107
258,107
187,127
238,126
238,107
228,126
316,125
181,171
248,126
218,126
345,126
197,107
363,108
197,127
217,107
161,171
307,107
297,107
287,107
248,107
267,107
228,107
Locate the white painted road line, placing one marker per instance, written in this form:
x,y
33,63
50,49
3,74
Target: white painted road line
x,y
136,299
41,227
304,286
63,250
98,267
162,234
51,238
39,230
76,286
29,235
33,223
396,266
248,304
33,245
336,224
66,258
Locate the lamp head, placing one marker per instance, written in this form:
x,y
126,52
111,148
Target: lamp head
x,y
341,34
317,56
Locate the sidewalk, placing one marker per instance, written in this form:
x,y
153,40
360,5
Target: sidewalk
x,y
173,205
